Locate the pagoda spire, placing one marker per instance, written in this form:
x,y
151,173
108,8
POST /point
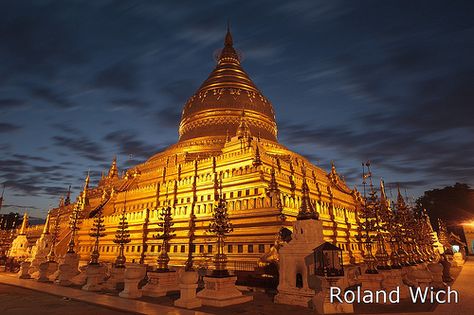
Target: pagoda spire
x,y
243,131
307,209
46,224
383,195
228,53
274,193
24,224
228,36
400,200
257,161
67,201
113,171
61,201
84,198
88,178
1,198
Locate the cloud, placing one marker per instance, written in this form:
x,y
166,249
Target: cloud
x,y
11,103
66,127
51,97
81,145
128,143
119,76
36,41
7,127
129,104
168,117
30,157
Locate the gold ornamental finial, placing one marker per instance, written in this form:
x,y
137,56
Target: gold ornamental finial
x,y
228,53
113,171
88,178
243,131
46,224
24,224
67,201
228,37
306,211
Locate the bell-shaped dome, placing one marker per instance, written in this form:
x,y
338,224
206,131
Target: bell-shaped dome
x,y
215,110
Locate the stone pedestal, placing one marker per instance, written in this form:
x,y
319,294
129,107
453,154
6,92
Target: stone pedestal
x,y
159,283
117,276
222,292
322,302
458,260
81,278
419,276
187,288
95,274
39,253
446,270
371,282
47,270
436,270
133,275
392,280
23,273
68,269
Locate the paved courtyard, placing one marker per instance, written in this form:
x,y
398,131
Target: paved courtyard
x,y
16,300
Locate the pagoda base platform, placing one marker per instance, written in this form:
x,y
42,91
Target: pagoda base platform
x,y
221,292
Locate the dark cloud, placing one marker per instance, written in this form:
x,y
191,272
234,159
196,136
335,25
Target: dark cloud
x,y
30,158
7,127
11,103
129,103
128,143
177,92
120,76
81,145
51,97
168,117
40,43
66,128
16,206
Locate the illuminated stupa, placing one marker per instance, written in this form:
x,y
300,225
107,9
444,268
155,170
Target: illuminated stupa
x,y
227,132
215,109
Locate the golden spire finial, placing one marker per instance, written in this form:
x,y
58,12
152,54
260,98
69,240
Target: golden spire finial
x,y
383,195
113,171
24,224
67,201
243,131
228,37
46,224
88,178
228,53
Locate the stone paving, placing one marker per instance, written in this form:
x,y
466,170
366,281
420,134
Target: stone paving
x,y
16,300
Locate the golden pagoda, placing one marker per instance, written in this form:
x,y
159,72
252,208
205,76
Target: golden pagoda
x,y
227,140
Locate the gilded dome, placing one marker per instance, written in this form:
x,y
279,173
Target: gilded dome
x,y
216,108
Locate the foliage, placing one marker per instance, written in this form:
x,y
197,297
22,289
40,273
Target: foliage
x,y
453,204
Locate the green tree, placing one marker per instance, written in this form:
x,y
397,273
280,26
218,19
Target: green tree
x,y
453,204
